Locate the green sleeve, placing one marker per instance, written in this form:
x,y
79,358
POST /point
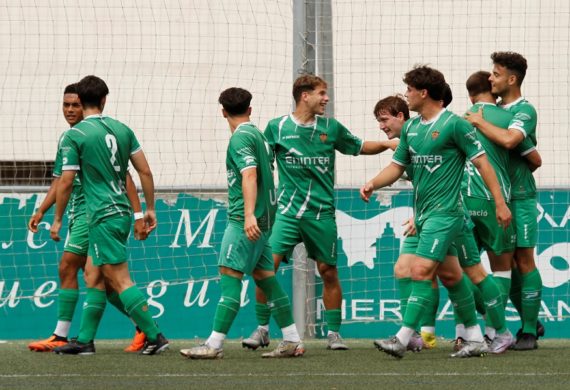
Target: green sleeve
x,y
402,154
69,149
135,145
466,140
525,120
346,142
242,150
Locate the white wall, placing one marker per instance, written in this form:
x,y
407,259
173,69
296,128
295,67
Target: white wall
x,y
166,62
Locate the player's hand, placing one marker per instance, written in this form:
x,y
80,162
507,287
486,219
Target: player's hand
x,y
366,192
141,231
410,227
503,215
475,118
54,231
251,229
150,221
35,221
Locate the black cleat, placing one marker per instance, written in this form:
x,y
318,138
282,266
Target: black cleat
x,y
526,342
155,347
74,347
539,330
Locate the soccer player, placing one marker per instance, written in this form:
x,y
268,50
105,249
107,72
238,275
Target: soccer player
x,y
304,143
75,250
436,144
509,70
245,245
99,149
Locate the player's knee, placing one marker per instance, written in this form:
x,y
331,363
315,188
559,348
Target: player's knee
x,y
329,274
401,270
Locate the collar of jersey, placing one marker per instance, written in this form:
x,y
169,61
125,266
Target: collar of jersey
x,y
95,116
308,125
485,104
433,120
243,124
507,106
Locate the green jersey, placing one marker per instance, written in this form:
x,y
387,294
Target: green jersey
x,y
473,184
76,205
248,149
524,119
99,147
436,150
305,157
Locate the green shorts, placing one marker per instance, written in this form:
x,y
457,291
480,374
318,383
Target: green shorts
x,y
410,246
77,240
525,216
436,234
489,235
108,240
241,254
468,251
319,236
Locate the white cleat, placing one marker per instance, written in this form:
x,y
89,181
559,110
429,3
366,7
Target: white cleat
x,y
286,349
471,349
258,338
335,342
203,351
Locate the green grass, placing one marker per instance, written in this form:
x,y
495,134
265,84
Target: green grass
x,y
360,367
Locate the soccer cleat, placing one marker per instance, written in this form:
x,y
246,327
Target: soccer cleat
x,y
471,349
75,347
539,331
501,342
416,343
138,342
489,340
335,342
258,338
526,342
203,351
458,343
48,344
286,349
391,346
155,347
429,340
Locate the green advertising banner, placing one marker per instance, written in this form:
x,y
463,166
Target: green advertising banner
x,y
176,268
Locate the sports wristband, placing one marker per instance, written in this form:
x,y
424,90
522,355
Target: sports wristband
x,y
138,215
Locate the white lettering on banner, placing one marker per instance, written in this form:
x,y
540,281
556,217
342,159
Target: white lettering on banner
x,y
543,214
151,295
30,236
12,299
209,219
44,291
356,309
321,309
201,298
390,306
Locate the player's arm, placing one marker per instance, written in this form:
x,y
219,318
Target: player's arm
x,y
140,230
533,160
140,163
490,178
63,192
249,189
507,138
386,177
46,204
375,147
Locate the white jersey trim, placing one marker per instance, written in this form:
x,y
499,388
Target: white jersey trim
x,y
70,168
399,163
477,155
136,150
526,152
248,167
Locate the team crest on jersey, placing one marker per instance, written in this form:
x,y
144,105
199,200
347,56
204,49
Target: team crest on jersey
x,y
323,137
434,134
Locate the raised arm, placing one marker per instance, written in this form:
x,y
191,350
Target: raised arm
x,y
375,147
386,177
507,138
533,160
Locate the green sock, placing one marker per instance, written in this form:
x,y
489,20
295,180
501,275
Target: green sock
x,y
277,301
491,295
93,309
66,302
113,298
505,287
418,302
136,307
228,306
333,317
405,287
531,300
515,292
262,313
463,302
430,314
477,296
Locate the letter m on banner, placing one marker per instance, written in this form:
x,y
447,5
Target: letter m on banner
x,y
208,223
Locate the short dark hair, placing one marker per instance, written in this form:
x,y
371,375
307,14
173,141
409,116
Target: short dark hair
x,y
514,62
71,88
306,83
392,105
92,90
447,95
424,77
478,83
235,100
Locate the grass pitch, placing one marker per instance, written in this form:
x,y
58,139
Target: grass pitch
x,y
359,368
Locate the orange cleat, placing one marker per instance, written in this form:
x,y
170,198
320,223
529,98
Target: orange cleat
x,y
138,342
48,344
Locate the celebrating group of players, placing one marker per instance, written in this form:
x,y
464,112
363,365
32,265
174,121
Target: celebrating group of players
x,y
473,190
